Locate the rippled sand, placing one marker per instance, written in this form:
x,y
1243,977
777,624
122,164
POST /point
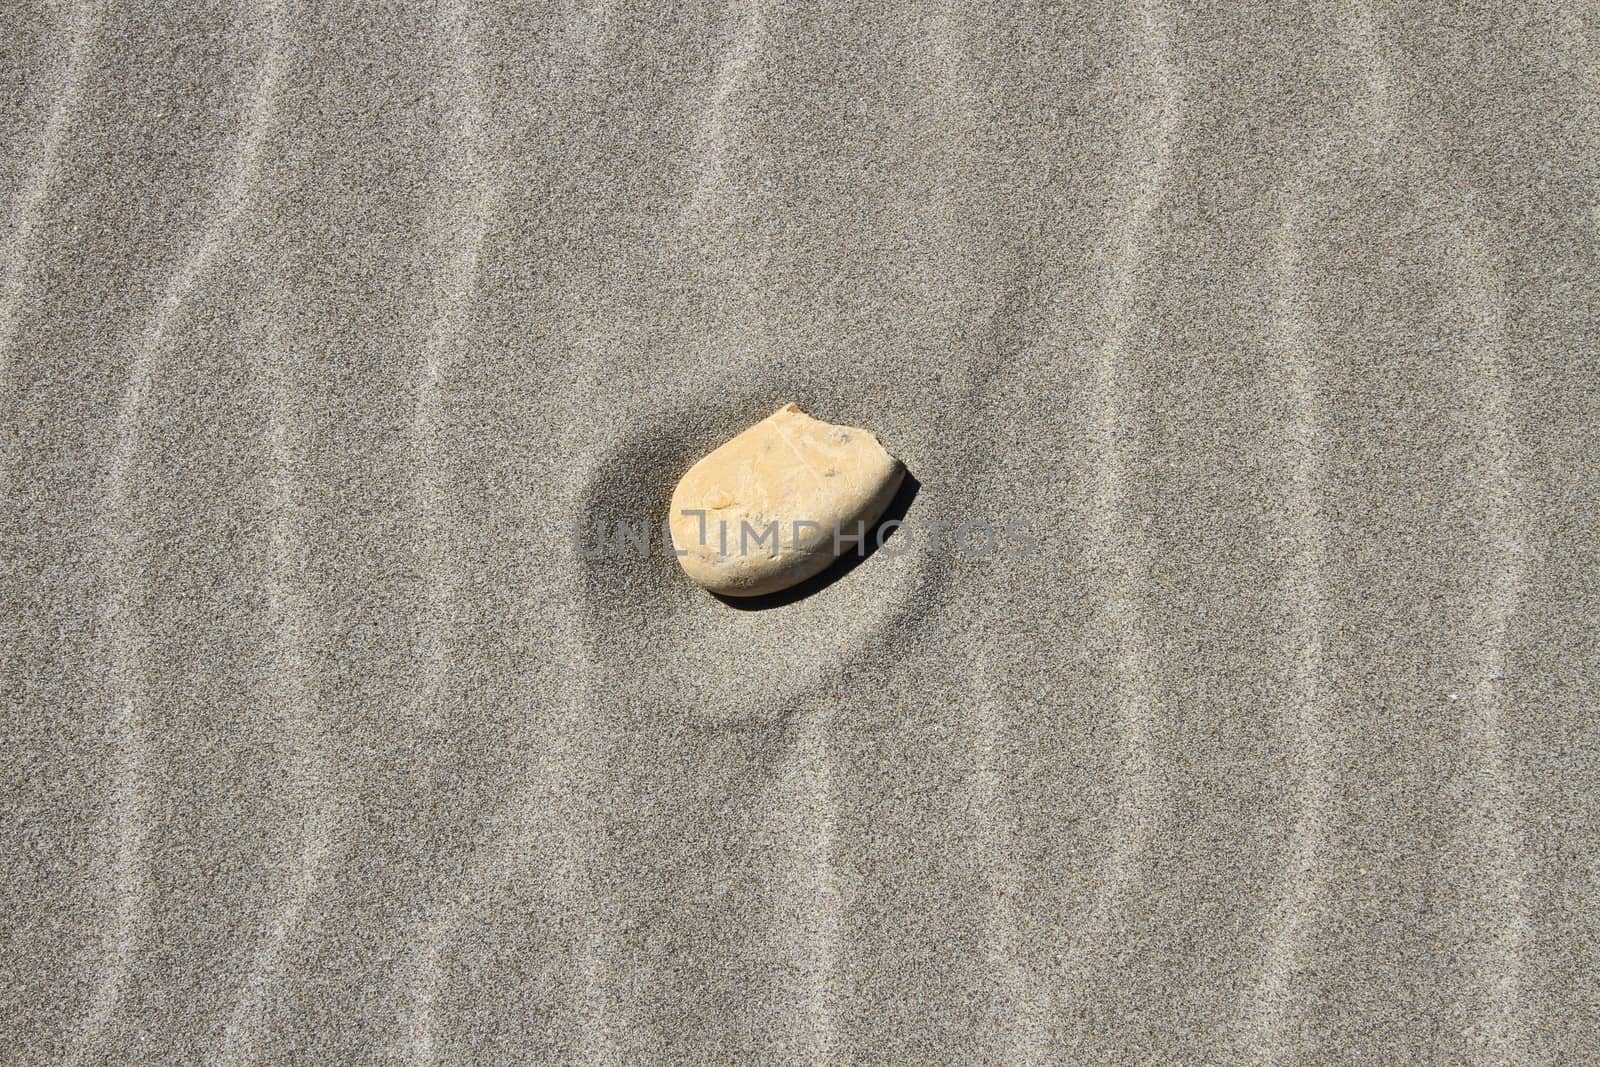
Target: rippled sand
x,y
323,330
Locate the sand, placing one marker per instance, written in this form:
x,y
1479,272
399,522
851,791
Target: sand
x,y
323,328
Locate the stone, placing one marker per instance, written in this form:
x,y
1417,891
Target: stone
x,y
780,502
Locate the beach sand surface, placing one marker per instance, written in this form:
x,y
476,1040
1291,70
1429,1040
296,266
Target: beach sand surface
x,y
326,328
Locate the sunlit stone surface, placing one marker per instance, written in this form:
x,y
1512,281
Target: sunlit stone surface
x,y
779,502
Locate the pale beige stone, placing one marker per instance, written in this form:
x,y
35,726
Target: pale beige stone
x,y
735,514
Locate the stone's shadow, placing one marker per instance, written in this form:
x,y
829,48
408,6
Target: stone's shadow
x,y
896,511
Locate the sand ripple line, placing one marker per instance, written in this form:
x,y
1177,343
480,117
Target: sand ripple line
x,y
461,236
81,25
1287,933
235,188
589,27
531,827
1494,819
1121,557
1019,1002
294,703
129,829
1380,101
1026,1015
127,640
127,822
711,143
430,967
464,210
236,191
547,833
813,912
